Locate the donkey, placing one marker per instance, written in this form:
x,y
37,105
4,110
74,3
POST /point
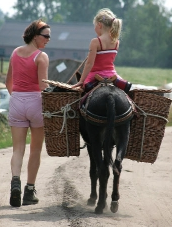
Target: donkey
x,y
104,123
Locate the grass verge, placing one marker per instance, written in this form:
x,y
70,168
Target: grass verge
x,y
5,133
144,76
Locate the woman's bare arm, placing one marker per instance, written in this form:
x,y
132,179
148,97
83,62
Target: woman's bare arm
x,y
42,63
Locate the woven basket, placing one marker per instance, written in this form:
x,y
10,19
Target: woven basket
x,y
66,143
147,131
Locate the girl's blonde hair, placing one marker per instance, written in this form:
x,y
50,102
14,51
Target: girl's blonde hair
x,y
109,20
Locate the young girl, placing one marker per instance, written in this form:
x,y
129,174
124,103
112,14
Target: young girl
x,y
102,51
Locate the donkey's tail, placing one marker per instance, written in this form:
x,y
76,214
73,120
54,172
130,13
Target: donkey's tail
x,y
108,141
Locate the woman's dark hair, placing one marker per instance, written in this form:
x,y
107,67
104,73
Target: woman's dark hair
x,y
33,29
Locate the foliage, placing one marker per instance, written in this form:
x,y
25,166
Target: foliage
x,y
1,17
147,27
84,11
32,10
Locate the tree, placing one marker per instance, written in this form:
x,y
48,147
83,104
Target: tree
x,y
84,11
34,9
147,28
144,37
1,17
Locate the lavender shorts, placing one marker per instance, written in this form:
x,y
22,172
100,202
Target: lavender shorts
x,y
25,109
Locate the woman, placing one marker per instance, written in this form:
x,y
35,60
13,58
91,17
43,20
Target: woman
x,y
28,66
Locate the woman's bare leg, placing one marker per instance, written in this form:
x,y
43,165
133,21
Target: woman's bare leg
x,y
37,137
19,143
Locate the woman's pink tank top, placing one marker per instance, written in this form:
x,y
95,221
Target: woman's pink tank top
x,y
25,73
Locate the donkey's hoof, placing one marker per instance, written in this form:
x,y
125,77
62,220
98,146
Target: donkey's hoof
x,y
98,210
91,202
114,206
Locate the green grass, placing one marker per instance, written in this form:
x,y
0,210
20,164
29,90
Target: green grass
x,y
144,76
148,77
5,133
5,66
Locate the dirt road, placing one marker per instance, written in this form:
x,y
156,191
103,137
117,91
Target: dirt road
x,y
63,188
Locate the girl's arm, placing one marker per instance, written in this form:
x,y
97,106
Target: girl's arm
x,y
89,62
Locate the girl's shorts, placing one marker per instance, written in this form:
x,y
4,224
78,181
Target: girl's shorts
x,y
25,109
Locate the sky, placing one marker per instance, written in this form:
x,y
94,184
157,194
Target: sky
x,y
6,5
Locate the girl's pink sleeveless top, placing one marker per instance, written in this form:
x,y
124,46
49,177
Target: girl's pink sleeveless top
x,y
103,64
25,73
104,59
